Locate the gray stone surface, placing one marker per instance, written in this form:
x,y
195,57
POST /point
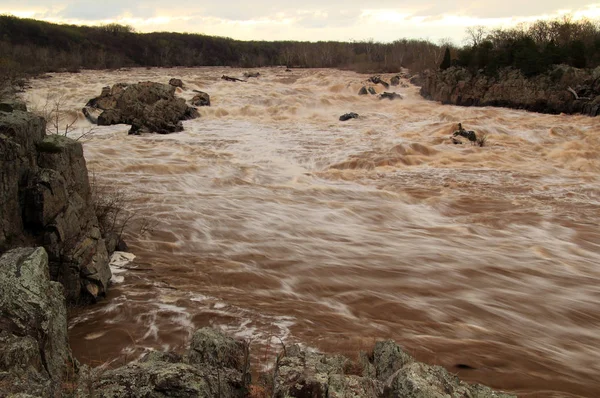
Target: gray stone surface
x,y
146,106
45,200
34,348
547,93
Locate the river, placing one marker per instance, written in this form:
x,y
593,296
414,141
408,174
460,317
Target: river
x,y
270,219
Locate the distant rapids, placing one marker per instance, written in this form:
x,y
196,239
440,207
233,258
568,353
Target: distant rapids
x,y
272,219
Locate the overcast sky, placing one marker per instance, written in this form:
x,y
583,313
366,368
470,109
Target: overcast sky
x,y
380,20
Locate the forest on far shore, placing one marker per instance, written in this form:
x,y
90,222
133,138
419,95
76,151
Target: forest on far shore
x,y
30,46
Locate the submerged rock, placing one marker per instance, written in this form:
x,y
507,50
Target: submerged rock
x,y
147,107
348,116
394,81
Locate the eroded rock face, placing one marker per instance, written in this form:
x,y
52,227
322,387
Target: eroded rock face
x,y
45,200
546,93
146,106
34,348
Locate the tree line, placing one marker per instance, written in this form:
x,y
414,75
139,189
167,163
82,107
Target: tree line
x,y
532,48
33,46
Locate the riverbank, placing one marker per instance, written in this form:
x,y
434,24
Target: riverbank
x,y
563,89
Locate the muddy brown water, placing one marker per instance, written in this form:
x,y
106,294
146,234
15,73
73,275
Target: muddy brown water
x,y
273,220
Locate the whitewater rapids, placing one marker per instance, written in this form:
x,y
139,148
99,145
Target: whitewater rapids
x,y
269,218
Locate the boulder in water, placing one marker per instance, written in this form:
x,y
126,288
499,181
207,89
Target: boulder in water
x,y
394,81
201,98
348,116
251,74
378,80
176,83
390,96
363,91
372,90
147,106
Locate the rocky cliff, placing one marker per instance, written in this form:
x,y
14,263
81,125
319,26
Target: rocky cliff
x,y
45,200
562,90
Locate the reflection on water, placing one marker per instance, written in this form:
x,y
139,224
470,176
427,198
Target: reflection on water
x,y
274,219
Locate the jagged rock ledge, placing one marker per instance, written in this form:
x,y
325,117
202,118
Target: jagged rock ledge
x,y
45,200
563,89
35,358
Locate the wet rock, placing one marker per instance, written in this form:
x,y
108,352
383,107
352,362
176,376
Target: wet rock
x,y
372,90
251,74
394,81
363,91
176,83
378,80
201,99
390,96
231,79
147,106
348,116
34,349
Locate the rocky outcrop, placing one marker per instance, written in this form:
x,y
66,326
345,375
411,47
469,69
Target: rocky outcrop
x,y
564,89
45,200
146,106
215,366
387,372
34,348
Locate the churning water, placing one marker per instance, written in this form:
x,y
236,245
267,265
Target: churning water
x,y
272,219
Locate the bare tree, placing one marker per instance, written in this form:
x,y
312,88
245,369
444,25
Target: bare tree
x,y
475,35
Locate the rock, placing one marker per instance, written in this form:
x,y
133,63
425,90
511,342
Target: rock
x,y
363,91
251,74
394,81
372,91
546,93
213,367
34,349
201,99
418,380
377,80
147,106
348,116
388,357
45,199
212,348
392,373
390,96
10,105
176,83
231,79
